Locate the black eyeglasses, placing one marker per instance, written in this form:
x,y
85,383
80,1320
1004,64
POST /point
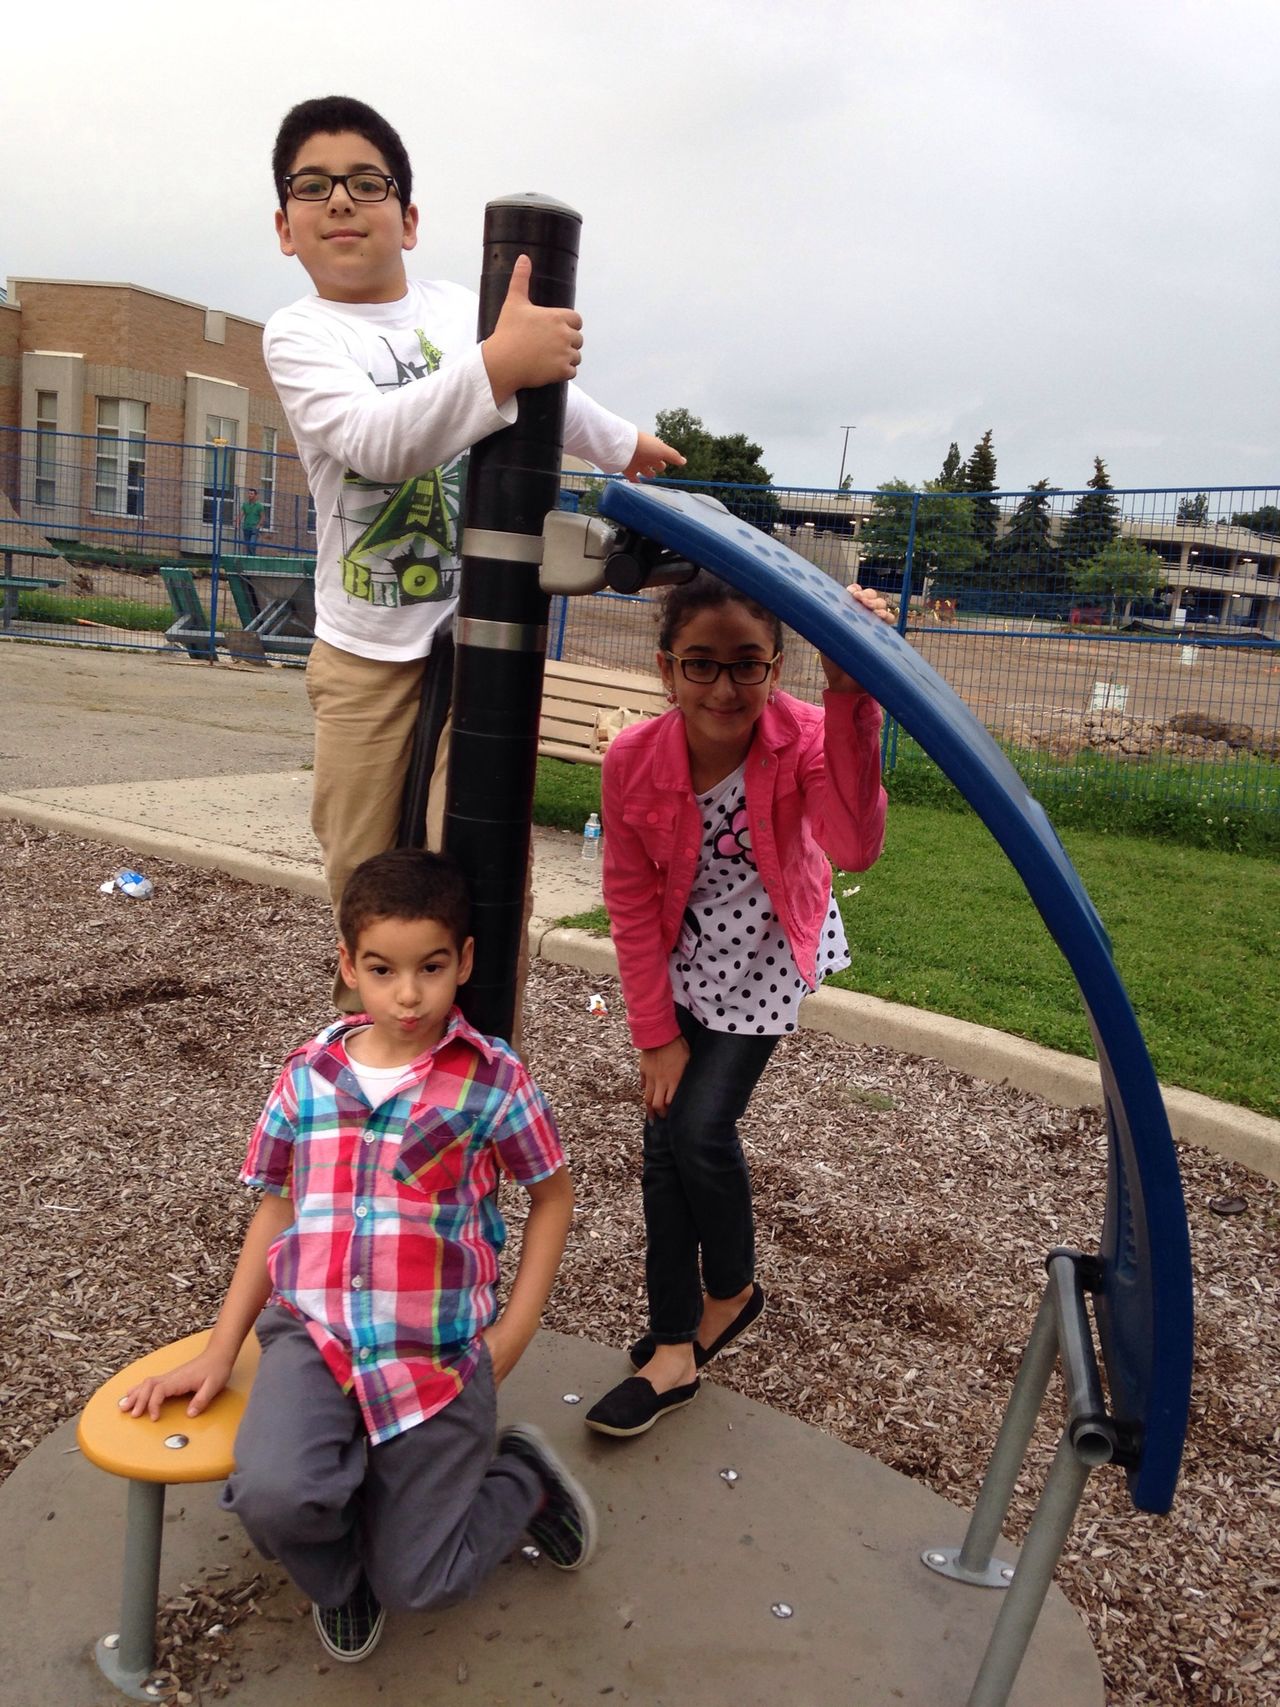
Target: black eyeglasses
x,y
744,672
360,186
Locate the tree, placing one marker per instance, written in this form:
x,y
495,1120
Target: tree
x,y
686,432
1265,520
710,459
979,475
1194,509
1025,559
1123,569
952,477
945,548
1094,522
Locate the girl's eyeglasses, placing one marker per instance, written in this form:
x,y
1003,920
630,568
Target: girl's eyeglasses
x,y
744,672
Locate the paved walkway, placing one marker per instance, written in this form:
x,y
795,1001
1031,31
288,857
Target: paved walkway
x,y
676,1609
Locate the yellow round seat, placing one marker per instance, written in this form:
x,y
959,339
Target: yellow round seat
x,y
135,1446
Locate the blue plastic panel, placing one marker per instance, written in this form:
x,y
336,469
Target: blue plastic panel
x,y
1144,1309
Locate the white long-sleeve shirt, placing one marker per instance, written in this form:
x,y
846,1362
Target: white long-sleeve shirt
x,y
384,399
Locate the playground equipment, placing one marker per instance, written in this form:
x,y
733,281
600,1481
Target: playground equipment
x,y
1140,1280
517,549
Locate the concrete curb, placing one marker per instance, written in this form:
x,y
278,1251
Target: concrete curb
x,y
143,841
1068,1081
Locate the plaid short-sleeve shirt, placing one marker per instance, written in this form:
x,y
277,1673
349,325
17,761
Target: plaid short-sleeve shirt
x,y
392,1259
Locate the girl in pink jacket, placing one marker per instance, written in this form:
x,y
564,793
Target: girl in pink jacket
x,y
721,819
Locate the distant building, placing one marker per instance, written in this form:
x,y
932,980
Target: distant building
x,y
112,401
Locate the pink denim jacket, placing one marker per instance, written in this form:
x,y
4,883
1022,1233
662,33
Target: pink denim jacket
x,y
813,795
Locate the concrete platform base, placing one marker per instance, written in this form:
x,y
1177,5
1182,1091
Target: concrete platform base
x,y
676,1610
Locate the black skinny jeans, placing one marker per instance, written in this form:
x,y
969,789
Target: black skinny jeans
x,y
697,1192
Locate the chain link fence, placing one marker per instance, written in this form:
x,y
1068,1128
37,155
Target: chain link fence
x,y
1132,635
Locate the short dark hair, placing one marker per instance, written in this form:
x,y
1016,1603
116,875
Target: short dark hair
x,y
706,592
405,884
326,116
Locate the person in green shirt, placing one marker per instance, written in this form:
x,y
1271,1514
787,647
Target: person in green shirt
x,y
250,521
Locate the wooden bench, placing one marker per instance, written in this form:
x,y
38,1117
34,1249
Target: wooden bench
x,y
151,1456
575,696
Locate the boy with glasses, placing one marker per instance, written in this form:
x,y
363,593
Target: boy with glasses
x,y
385,390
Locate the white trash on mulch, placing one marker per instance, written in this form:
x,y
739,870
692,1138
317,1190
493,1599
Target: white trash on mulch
x,y
904,1213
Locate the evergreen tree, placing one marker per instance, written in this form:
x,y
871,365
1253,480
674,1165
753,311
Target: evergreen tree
x,y
952,477
979,475
1094,522
1025,559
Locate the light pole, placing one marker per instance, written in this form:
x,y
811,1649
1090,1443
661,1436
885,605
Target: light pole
x,y
846,431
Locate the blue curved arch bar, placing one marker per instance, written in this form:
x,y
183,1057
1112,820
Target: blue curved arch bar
x,y
1144,1304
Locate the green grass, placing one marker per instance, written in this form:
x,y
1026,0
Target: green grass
x,y
943,922
1231,808
116,613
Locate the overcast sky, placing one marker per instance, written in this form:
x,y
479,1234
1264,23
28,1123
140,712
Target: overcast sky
x,y
921,219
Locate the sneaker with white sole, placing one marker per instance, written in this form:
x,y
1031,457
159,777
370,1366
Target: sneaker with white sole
x,y
352,1631
565,1527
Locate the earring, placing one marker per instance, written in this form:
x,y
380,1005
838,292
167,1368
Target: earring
x,y
671,698
772,696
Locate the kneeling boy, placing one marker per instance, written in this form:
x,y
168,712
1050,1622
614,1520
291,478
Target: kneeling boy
x,y
366,1462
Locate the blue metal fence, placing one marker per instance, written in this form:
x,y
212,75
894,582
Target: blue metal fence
x,y
1132,635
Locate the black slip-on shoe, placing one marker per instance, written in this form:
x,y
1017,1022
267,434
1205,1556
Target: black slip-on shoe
x,y
352,1631
644,1348
634,1405
565,1528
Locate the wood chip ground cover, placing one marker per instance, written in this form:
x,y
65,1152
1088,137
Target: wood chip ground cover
x,y
904,1211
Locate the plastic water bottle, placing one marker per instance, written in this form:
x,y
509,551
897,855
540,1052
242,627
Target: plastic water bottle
x,y
133,883
591,837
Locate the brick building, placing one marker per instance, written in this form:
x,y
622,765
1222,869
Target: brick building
x,y
112,400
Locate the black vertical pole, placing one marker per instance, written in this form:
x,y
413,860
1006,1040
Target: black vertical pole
x,y
501,635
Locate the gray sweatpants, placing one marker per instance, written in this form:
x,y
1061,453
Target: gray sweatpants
x,y
427,1514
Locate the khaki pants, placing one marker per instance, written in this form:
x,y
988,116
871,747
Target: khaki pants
x,y
365,712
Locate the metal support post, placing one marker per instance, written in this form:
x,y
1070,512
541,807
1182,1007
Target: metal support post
x,y
221,473
501,635
1040,1554
127,1658
973,1562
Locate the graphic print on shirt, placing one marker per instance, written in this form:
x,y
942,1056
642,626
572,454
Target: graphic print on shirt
x,y
405,552
733,840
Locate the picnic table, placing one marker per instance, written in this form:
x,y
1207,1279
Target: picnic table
x,y
275,599
11,585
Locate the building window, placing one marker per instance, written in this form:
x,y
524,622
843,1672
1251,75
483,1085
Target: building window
x,y
46,447
120,462
267,484
219,466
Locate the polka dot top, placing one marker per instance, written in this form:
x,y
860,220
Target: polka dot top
x,y
732,966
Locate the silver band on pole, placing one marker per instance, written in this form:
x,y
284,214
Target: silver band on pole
x,y
500,636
